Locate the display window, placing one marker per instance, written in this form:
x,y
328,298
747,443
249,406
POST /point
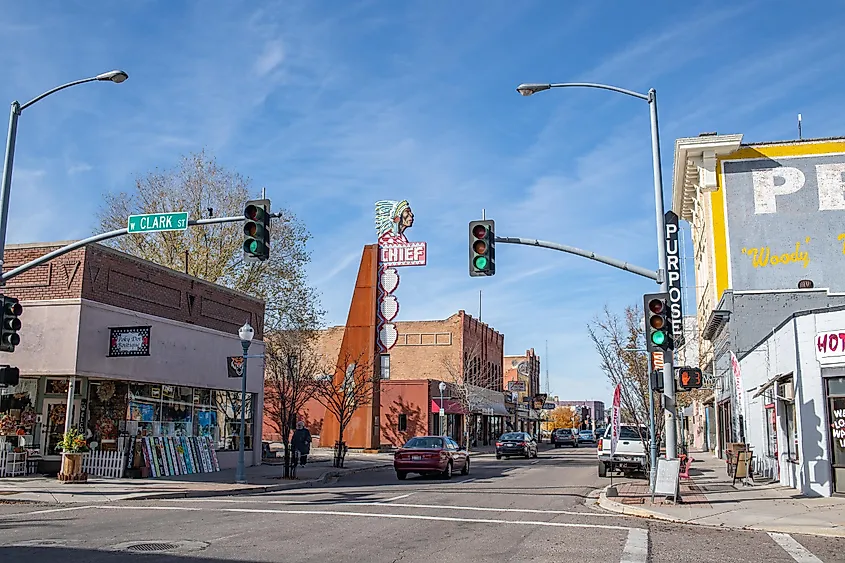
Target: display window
x,y
17,412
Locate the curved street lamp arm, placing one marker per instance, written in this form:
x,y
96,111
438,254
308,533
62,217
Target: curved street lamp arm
x,y
646,97
56,89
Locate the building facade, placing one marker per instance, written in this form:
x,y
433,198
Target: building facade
x,y
767,239
522,381
460,351
134,349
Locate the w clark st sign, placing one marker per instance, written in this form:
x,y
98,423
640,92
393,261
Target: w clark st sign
x,y
673,272
155,222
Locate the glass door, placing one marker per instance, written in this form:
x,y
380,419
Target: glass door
x,y
835,388
53,423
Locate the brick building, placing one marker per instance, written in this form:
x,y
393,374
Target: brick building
x,y
522,379
133,347
427,353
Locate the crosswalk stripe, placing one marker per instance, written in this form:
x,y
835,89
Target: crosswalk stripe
x,y
795,550
636,547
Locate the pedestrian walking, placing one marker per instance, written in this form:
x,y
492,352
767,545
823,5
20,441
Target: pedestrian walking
x,y
301,442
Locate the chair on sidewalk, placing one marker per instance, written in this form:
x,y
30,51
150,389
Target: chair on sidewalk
x,y
685,465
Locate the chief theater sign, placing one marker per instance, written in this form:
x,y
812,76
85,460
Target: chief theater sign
x,y
393,219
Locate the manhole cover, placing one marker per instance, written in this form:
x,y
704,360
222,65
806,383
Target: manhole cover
x,y
152,546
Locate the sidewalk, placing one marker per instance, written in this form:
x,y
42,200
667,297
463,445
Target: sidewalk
x,y
709,499
262,478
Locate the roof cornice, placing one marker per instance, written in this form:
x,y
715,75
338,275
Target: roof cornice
x,y
685,173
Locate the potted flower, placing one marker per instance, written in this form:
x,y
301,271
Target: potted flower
x,y
72,445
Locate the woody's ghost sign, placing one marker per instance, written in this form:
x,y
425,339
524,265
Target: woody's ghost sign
x,y
393,219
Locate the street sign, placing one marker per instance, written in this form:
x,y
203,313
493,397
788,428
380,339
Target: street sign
x,y
549,406
155,222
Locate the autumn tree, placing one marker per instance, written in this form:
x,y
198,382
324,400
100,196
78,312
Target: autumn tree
x,y
619,341
290,366
204,188
342,392
565,417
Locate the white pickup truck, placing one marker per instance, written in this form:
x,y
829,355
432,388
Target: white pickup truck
x,y
630,453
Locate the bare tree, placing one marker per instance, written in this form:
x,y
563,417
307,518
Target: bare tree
x,y
617,341
203,188
472,381
290,366
342,393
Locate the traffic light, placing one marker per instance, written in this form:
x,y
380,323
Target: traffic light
x,y
9,376
482,248
10,324
658,324
257,230
657,380
690,378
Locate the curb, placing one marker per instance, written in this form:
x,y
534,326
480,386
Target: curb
x,y
258,489
619,508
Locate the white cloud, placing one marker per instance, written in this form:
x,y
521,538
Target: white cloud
x,y
270,58
79,167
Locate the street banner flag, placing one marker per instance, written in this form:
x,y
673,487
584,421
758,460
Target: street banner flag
x,y
615,418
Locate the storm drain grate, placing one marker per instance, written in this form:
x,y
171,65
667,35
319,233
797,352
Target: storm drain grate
x,y
152,546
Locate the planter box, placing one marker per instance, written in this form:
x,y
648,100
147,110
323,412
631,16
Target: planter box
x,y
72,469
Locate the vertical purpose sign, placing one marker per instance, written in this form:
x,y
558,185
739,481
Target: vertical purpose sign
x,y
673,273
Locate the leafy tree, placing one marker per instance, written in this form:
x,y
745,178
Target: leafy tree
x,y
565,417
203,188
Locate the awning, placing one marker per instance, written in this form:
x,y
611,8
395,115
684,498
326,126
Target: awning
x,y
765,387
492,409
451,406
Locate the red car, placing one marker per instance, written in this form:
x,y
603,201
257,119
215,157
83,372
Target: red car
x,y
429,455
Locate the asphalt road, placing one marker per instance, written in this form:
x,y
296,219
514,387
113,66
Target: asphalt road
x,y
505,511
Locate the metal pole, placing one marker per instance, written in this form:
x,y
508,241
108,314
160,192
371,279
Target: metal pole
x,y
442,416
7,176
70,397
652,473
668,370
239,475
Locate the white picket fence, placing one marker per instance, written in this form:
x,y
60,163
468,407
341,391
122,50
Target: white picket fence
x,y
104,464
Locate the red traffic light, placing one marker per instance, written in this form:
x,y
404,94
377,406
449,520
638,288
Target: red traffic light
x,y
251,212
656,306
479,231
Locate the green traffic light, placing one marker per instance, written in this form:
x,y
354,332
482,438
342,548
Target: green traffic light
x,y
480,262
658,338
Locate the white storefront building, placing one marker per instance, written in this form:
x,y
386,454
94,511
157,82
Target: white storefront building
x,y
793,387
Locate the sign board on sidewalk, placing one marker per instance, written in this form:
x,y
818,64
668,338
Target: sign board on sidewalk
x,y
667,480
156,222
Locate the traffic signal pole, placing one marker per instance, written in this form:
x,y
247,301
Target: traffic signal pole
x,y
110,235
669,408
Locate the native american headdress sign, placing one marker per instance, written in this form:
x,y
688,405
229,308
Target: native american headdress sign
x,y
393,219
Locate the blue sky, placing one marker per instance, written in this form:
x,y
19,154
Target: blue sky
x,y
333,105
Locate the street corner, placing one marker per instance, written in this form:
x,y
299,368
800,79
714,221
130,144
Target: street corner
x,y
618,505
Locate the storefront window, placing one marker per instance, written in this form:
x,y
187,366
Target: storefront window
x,y
107,403
59,386
229,420
791,430
17,411
176,410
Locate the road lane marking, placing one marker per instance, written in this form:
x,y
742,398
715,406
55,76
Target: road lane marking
x,y
396,498
373,515
49,511
795,550
636,547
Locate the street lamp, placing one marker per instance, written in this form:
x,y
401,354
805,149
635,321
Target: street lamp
x,y
651,98
442,387
116,76
245,333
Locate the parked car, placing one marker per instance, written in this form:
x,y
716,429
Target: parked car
x,y
586,437
516,444
564,437
599,433
630,453
428,455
